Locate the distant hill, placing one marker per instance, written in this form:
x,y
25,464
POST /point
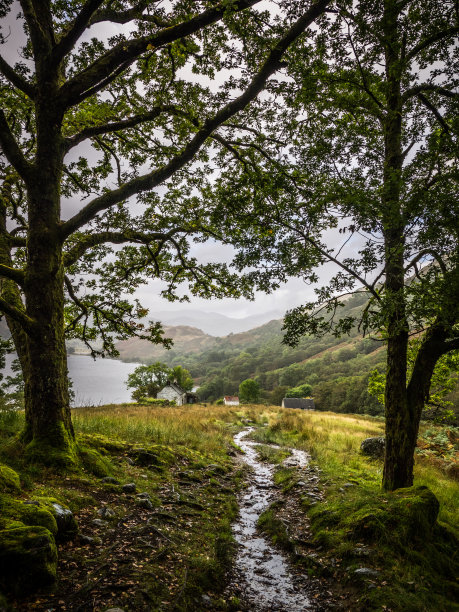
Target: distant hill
x,y
337,368
213,323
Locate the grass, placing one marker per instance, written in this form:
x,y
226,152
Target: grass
x,y
183,442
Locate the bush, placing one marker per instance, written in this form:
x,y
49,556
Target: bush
x,y
153,401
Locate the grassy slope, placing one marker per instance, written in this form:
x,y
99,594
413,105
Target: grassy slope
x,y
194,504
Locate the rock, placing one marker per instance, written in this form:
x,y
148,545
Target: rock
x,y
87,539
452,471
366,572
115,610
145,503
28,559
130,461
9,479
99,523
106,512
373,447
67,527
110,480
130,487
206,599
347,485
143,496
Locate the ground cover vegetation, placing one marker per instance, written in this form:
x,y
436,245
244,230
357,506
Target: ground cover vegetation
x,y
374,156
167,542
102,103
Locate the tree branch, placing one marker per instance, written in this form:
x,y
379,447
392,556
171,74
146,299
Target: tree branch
x,y
127,52
12,273
91,240
20,317
430,40
428,104
80,23
153,179
123,124
417,89
431,252
12,151
16,79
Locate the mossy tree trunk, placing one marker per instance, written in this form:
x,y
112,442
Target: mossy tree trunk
x,y
400,427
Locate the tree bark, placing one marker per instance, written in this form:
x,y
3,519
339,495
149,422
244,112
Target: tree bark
x,y
400,430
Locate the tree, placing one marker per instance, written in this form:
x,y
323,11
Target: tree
x,y
149,123
304,390
148,380
182,377
374,157
249,391
444,380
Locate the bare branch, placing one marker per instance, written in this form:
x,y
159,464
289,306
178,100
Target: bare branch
x,y
151,180
422,254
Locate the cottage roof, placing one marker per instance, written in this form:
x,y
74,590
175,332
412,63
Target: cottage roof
x,y
231,398
304,403
175,387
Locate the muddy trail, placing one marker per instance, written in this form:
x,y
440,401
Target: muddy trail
x,y
263,575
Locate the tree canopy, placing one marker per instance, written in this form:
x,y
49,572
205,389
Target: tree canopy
x,y
102,104
366,149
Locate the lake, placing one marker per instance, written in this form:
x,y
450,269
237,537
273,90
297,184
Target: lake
x,y
96,382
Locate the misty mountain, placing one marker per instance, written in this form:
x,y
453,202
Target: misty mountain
x,y
213,323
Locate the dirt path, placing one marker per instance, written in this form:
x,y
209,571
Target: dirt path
x,y
262,572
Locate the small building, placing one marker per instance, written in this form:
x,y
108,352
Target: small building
x,y
175,393
231,400
303,403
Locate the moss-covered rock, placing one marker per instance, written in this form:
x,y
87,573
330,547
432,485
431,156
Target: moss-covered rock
x,y
9,479
67,526
94,462
30,513
28,560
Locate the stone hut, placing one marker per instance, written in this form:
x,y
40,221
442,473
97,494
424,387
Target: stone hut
x,y
303,403
175,393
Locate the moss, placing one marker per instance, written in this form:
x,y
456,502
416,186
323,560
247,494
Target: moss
x,y
28,560
101,442
94,462
56,450
9,479
274,527
29,513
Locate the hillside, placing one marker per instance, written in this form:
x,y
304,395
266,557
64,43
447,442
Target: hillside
x,y
337,368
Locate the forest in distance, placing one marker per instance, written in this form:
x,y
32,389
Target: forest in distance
x,y
337,368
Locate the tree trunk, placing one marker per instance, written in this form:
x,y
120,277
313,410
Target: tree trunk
x,y
400,427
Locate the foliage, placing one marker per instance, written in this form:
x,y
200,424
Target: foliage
x,y
249,391
371,161
304,390
438,406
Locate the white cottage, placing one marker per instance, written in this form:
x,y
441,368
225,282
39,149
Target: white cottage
x,y
231,400
175,393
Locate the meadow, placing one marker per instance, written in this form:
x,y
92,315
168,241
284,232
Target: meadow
x,y
192,481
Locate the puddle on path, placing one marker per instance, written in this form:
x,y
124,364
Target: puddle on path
x,y
262,572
